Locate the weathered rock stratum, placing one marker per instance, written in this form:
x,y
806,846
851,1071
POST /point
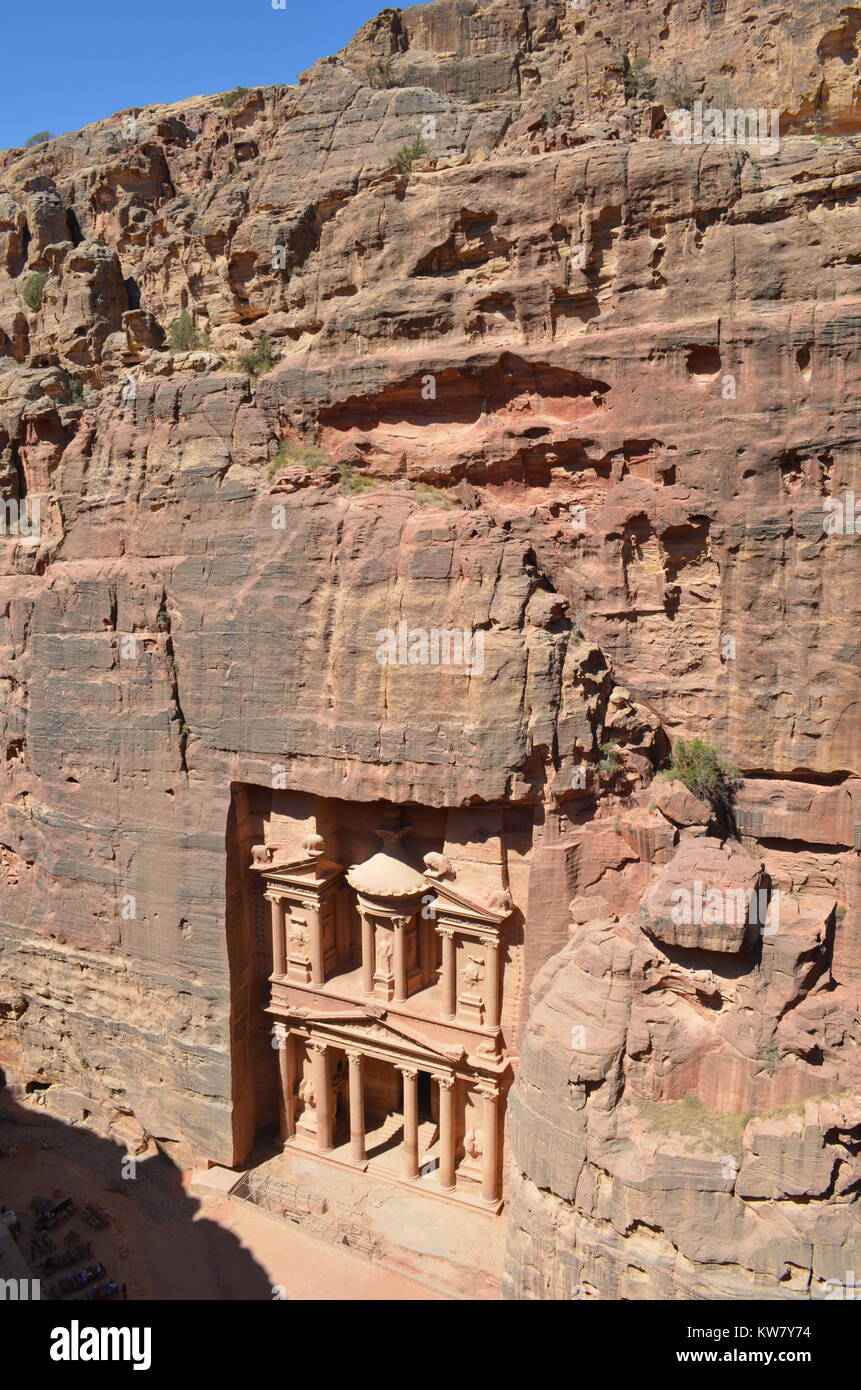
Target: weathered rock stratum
x,y
526,367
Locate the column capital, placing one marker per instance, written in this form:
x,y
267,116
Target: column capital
x,y
409,1072
447,932
445,1083
318,1047
487,1090
355,1057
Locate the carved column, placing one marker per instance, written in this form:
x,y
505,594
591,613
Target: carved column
x,y
446,1132
491,1003
318,974
490,1143
449,973
368,953
411,1123
287,1074
322,1093
279,944
357,1108
400,924
426,951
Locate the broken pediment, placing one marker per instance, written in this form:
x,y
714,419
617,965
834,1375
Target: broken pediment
x,y
451,899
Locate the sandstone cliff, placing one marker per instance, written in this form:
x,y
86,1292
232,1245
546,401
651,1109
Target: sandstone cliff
x,y
534,370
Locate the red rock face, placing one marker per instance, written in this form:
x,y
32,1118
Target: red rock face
x,y
562,383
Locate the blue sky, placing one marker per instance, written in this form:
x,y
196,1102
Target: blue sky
x,y
70,62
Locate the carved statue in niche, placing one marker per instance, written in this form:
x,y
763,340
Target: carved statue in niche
x,y
471,1000
307,1121
472,1144
385,948
474,971
297,933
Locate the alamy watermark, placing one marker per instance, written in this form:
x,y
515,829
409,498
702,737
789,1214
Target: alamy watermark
x,y
712,906
842,518
846,1288
419,646
21,519
710,125
20,1290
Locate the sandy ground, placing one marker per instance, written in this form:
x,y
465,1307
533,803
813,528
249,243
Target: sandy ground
x,y
303,1267
165,1243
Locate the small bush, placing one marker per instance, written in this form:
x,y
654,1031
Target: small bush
x,y
293,454
612,759
353,482
230,98
406,157
638,80
183,335
381,73
38,139
431,496
34,289
76,390
676,90
704,773
689,1119
258,359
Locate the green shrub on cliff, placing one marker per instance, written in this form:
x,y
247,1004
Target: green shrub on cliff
x,y
675,88
688,1119
183,335
34,289
611,760
38,139
293,454
427,496
638,80
230,98
353,482
380,73
406,157
258,359
704,773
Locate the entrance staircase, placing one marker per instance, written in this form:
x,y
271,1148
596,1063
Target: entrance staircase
x,y
383,1144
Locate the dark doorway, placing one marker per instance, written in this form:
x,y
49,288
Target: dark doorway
x,y
425,1096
